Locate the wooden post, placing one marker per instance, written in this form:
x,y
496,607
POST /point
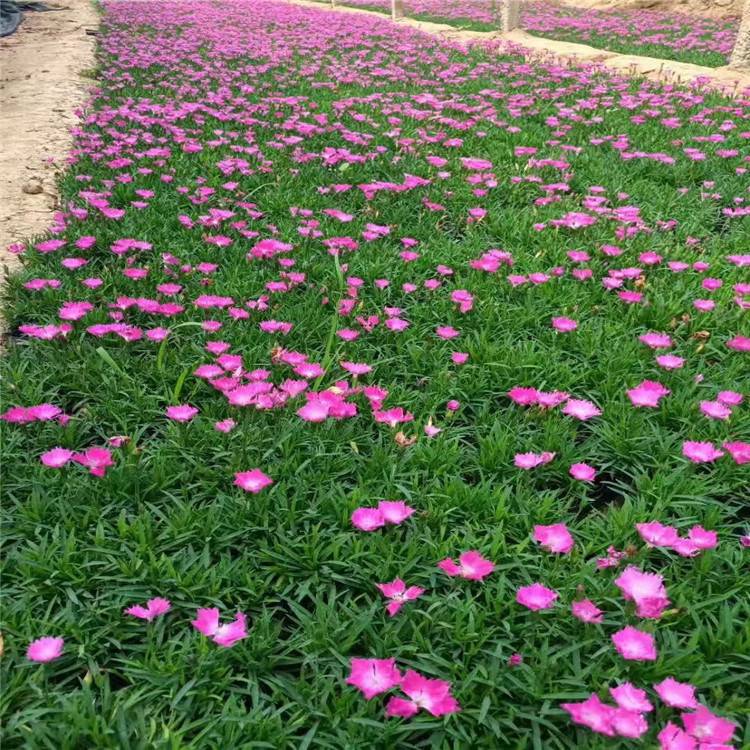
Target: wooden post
x,y
741,54
397,9
510,15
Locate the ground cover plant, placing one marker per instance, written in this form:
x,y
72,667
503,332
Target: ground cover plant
x,y
672,36
374,392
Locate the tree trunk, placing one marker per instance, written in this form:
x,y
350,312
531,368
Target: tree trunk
x,y
510,14
741,54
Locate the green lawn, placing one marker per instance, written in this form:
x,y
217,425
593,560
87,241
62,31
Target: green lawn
x,y
218,127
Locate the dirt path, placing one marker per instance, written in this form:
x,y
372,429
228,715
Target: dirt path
x,y
40,87
729,80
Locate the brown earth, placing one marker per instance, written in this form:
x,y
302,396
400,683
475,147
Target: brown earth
x,y
41,84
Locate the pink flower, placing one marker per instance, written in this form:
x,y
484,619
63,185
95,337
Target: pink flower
x,y
581,409
631,298
532,460
252,481
373,676
356,368
471,565
463,299
575,220
396,324
670,361
586,611
612,560
583,472
536,597
45,649
431,430
476,164
157,334
551,399
17,415
225,425
715,410
309,370
729,398
395,511
207,622
388,511
524,396
631,698
74,310
97,460
656,340
434,696
56,458
315,410
367,519
393,417
702,539
398,594
674,738
700,453
676,694
564,325
740,452
635,645
645,589
44,412
647,393
181,413
707,727
154,608
592,713
555,538
629,724
447,332
739,344
656,534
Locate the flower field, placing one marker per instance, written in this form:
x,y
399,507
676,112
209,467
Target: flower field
x,y
672,36
372,391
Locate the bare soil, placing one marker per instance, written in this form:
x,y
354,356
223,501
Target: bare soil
x,y
45,74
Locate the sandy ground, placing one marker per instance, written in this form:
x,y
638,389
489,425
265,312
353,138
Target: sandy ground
x,y
40,87
728,80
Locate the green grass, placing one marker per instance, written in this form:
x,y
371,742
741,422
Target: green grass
x,y
166,520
